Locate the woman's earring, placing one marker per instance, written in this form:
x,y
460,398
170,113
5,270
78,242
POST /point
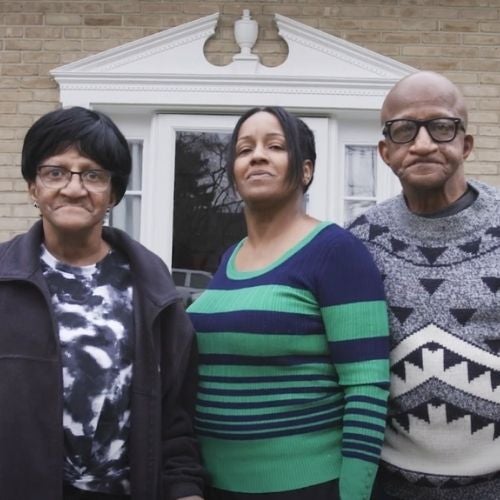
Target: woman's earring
x,y
35,204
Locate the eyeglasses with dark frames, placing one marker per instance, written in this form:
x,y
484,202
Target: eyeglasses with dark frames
x,y
404,130
56,177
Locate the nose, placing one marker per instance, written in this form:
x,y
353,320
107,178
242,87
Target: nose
x,y
423,142
75,185
258,153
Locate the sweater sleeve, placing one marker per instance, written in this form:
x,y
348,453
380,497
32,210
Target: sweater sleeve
x,y
354,312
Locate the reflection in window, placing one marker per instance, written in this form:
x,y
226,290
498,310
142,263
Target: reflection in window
x,y
207,213
360,180
127,214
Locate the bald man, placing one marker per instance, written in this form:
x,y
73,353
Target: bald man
x,y
438,248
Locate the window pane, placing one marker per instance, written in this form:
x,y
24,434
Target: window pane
x,y
353,208
179,277
360,175
207,214
135,180
127,214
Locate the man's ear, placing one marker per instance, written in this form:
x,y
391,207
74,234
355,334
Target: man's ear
x,y
468,145
383,151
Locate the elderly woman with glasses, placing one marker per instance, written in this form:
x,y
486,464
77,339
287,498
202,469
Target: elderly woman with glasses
x,y
96,352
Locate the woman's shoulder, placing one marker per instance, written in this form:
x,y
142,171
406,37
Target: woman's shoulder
x,y
332,234
335,244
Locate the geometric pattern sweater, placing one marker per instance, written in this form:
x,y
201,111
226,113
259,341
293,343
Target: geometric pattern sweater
x,y
293,369
442,281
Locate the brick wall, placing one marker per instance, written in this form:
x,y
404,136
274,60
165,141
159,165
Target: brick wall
x,y
460,38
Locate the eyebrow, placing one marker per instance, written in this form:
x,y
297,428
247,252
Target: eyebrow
x,y
55,165
267,136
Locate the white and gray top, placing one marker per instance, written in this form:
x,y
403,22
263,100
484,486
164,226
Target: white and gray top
x,y
93,309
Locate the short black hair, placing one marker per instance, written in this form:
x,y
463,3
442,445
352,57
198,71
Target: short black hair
x,y
91,132
299,140
307,147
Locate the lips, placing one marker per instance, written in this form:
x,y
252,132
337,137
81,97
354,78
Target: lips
x,y
71,206
258,174
426,161
421,165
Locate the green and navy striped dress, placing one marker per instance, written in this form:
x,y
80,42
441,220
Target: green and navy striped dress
x,y
294,369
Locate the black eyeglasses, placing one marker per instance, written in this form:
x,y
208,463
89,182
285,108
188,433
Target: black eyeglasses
x,y
404,130
55,177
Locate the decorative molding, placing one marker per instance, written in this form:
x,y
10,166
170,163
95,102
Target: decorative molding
x,y
226,88
199,30
170,69
294,32
203,36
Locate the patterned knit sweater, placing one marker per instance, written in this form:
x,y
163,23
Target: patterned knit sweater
x,y
294,369
442,279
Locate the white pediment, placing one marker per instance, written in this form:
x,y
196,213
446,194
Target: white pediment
x,y
170,68
175,51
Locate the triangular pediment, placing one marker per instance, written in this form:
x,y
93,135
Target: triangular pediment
x,y
179,50
173,60
316,53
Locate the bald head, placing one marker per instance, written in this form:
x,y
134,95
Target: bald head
x,y
421,89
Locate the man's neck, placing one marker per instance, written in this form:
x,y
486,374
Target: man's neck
x,y
429,202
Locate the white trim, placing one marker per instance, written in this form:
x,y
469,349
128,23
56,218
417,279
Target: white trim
x,y
169,68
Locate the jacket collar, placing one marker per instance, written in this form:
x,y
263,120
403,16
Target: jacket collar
x,y
20,259
149,272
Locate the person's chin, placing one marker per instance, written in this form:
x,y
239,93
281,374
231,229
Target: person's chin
x,y
257,190
74,220
427,181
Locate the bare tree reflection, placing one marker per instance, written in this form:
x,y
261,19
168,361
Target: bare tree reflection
x,y
207,213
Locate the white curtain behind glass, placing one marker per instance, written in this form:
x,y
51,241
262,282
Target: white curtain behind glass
x,y
360,180
127,214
